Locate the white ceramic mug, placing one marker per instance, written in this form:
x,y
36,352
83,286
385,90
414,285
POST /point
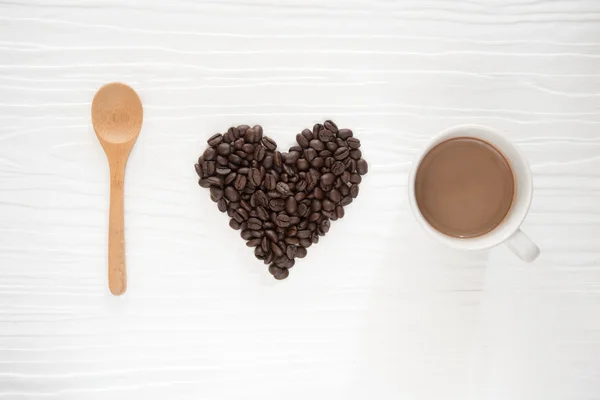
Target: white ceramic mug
x,y
508,231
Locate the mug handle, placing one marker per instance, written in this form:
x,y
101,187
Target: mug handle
x,y
522,246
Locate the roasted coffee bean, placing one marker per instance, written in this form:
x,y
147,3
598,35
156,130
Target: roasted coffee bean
x,y
310,154
268,162
242,213
248,148
259,253
316,129
304,234
229,137
326,135
240,130
338,168
290,252
203,183
235,224
331,126
279,273
277,160
331,147
292,231
239,144
277,205
262,213
283,189
240,182
329,161
199,170
273,194
246,234
355,154
209,154
216,193
258,133
223,171
245,205
302,164
339,211
223,149
253,242
254,177
282,221
211,168
269,258
305,243
294,220
315,238
235,159
231,194
346,200
355,178
215,181
328,205
354,191
317,144
318,193
289,170
316,205
311,180
314,217
351,165
271,235
222,161
303,210
258,234
362,167
259,198
215,139
302,140
353,143
300,252
318,162
335,196
344,134
276,249
344,190
270,182
291,205
300,187
346,177
259,153
254,224
269,143
222,205
249,135
341,153
327,180
265,244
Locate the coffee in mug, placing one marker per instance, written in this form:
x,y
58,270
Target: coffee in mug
x,y
471,188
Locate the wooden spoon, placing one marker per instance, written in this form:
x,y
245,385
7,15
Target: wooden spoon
x,y
117,118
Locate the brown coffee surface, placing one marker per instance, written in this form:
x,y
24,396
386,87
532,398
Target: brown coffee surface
x,y
464,187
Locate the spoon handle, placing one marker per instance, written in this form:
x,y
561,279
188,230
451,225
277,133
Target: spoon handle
x,y
117,276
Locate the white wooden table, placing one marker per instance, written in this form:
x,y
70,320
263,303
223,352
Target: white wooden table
x,y
376,310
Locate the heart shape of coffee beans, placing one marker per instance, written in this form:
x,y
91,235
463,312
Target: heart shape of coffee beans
x,y
282,202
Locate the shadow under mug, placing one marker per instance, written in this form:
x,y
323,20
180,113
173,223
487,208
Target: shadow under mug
x,y
508,232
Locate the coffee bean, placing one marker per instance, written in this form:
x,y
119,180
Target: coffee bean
x,y
282,221
248,148
277,205
314,217
327,180
265,245
259,153
315,238
268,162
339,211
254,177
245,205
258,133
269,143
259,253
291,205
341,153
231,194
354,191
222,205
209,154
223,149
316,129
344,134
305,243
271,235
326,136
215,139
302,140
234,224
262,213
303,210
240,130
300,252
223,171
269,258
253,242
355,154
350,165
278,273
338,168
239,144
215,181
346,200
249,135
230,136
259,199
317,145
291,157
289,170
216,193
276,249
318,193
353,143
344,190
277,160
362,167
254,224
242,213
331,126
325,153
283,189
222,161
302,164
310,154
304,234
315,205
291,250
355,178
335,196
203,183
270,182
331,147
328,205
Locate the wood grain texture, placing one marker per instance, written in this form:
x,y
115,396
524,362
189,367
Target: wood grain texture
x,y
376,309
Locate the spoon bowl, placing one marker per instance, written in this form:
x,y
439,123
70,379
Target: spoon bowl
x,y
117,116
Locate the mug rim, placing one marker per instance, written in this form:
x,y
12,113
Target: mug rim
x,y
494,237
